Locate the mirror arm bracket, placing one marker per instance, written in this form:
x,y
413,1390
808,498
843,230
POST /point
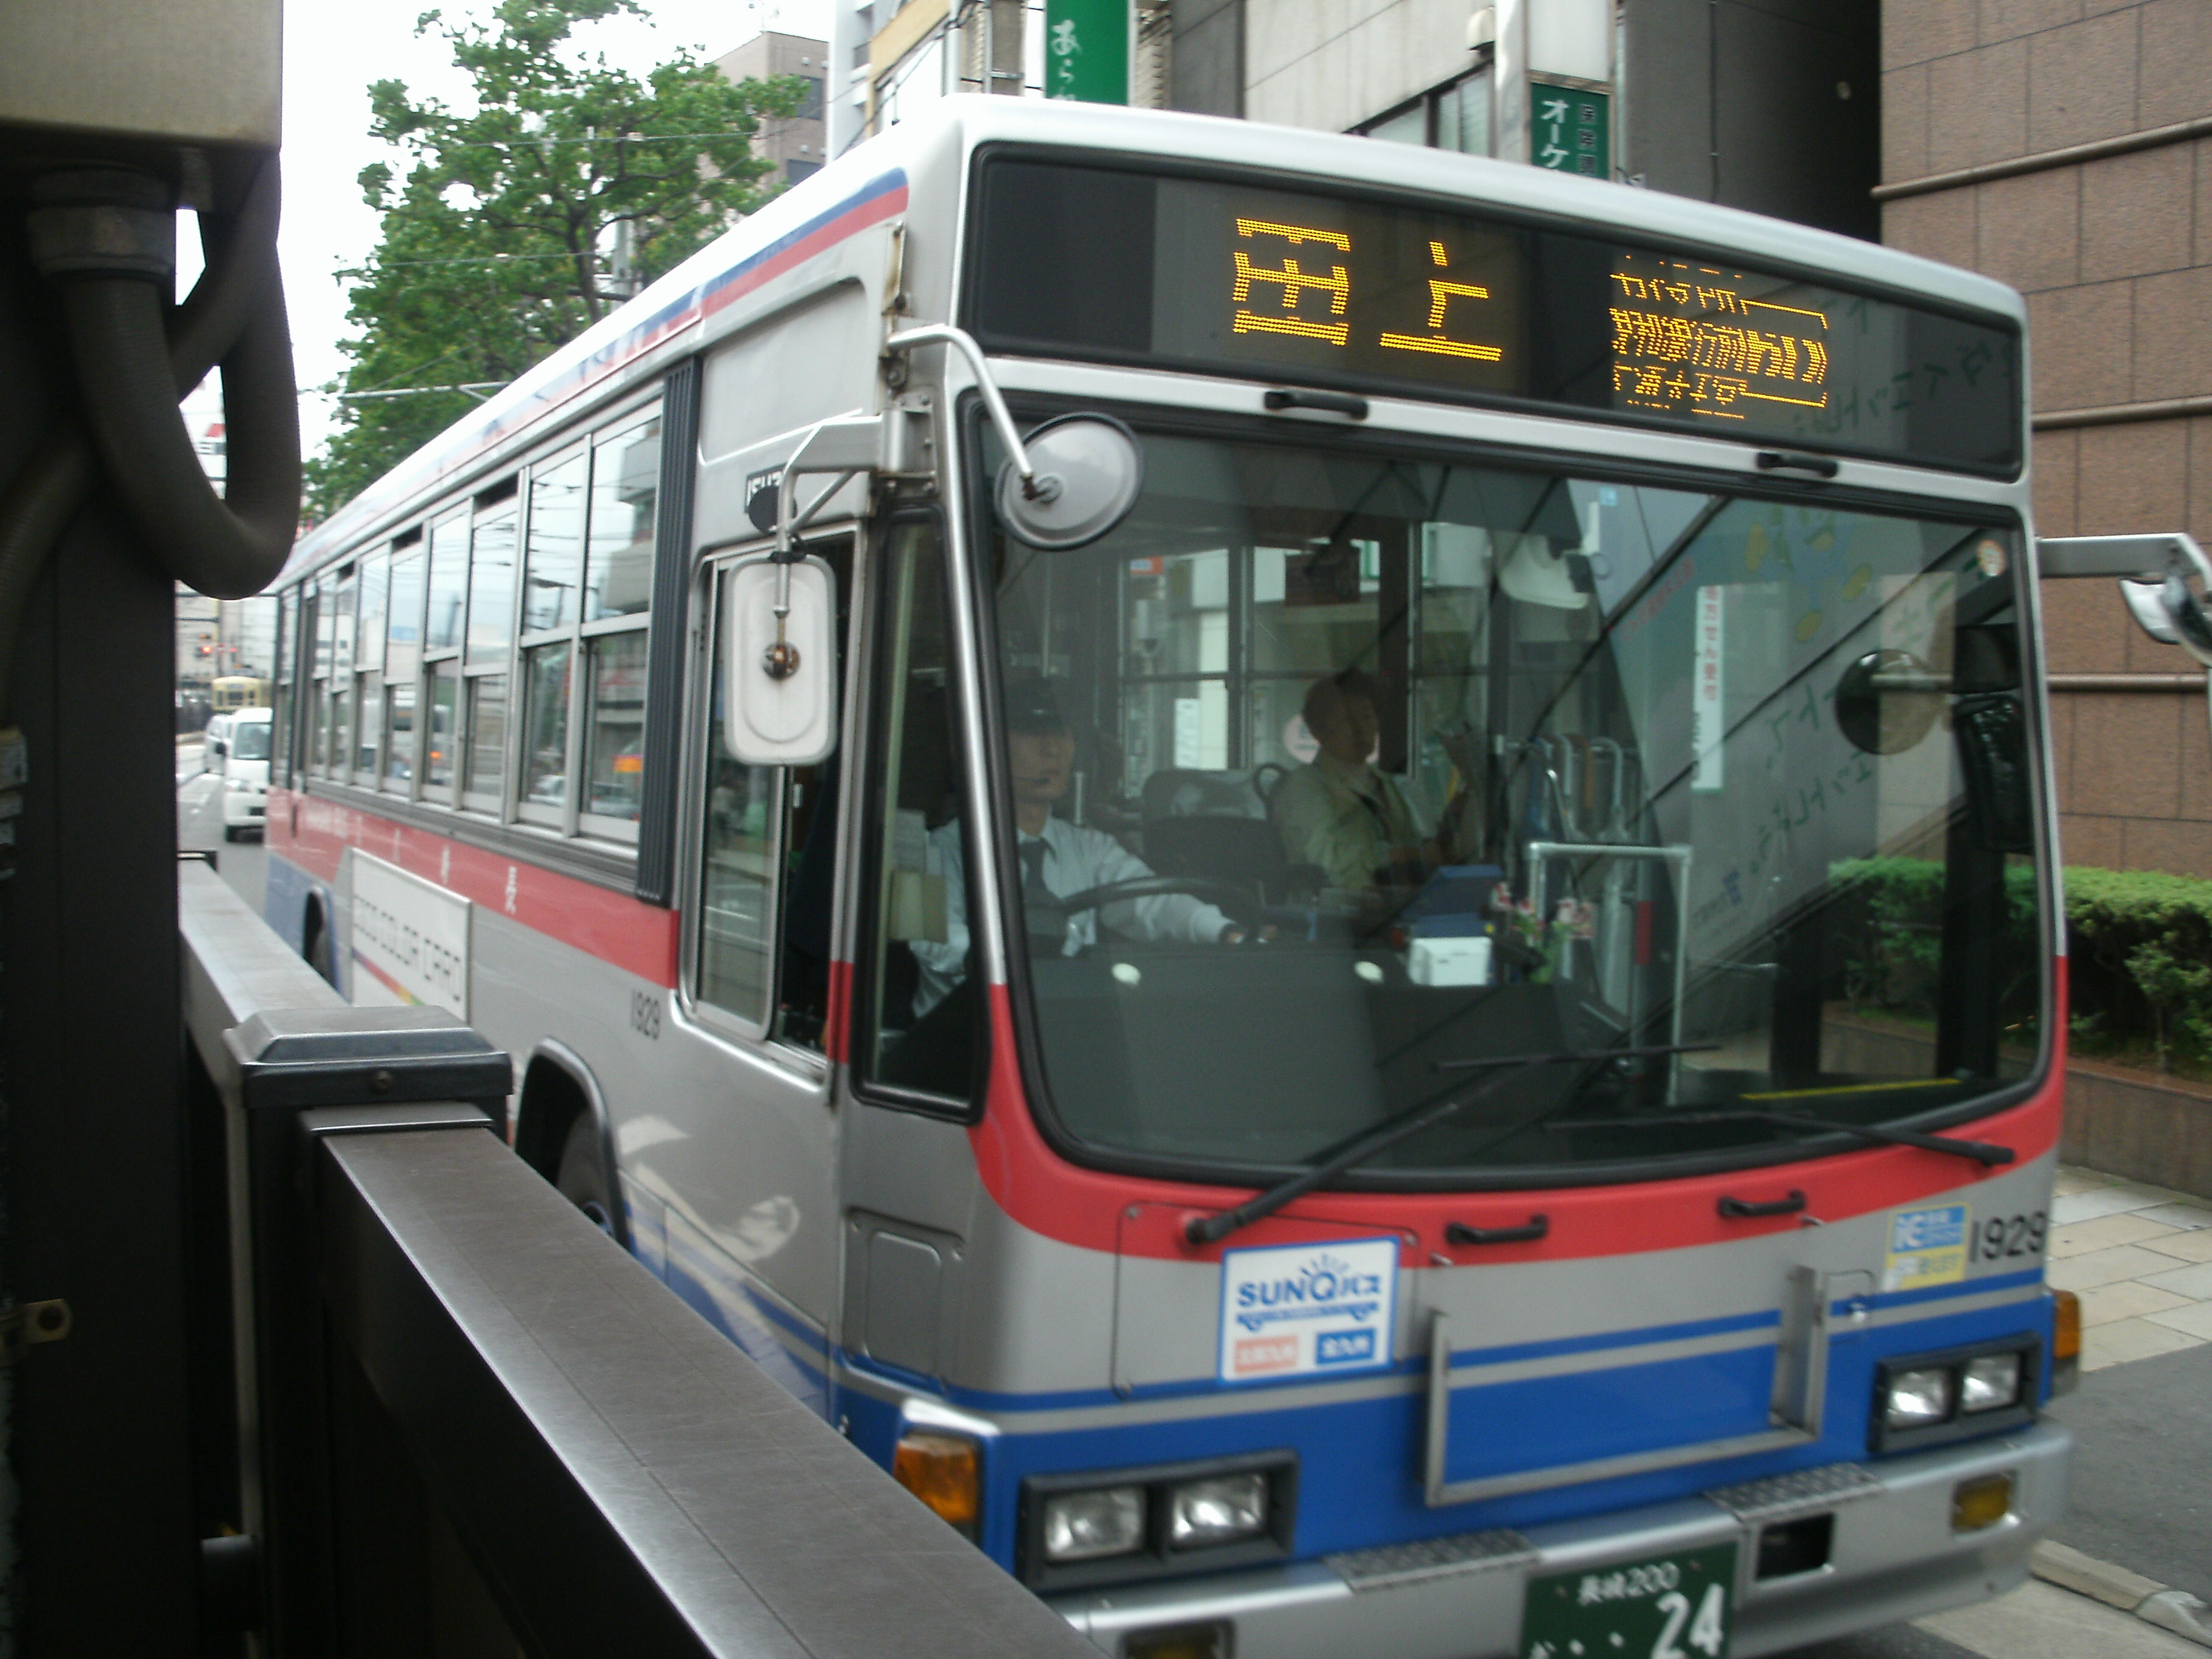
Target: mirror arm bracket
x,y
964,342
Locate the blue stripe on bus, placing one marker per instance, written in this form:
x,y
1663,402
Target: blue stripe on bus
x,y
1944,1293
1077,1398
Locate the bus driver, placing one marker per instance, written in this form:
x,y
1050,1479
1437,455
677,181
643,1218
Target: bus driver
x,y
1059,858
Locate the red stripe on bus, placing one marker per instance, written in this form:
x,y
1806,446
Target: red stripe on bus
x,y
615,926
888,205
1096,1210
837,1023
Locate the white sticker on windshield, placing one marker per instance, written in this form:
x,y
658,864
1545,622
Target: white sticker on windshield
x,y
1307,1310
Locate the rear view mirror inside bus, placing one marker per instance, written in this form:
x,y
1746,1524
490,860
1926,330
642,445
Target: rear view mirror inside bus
x,y
780,671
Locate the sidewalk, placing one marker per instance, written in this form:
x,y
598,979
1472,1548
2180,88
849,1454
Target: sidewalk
x,y
2140,1258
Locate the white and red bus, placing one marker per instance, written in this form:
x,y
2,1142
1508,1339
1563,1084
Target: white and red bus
x,y
1369,965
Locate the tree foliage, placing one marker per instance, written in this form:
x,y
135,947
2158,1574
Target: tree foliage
x,y
503,239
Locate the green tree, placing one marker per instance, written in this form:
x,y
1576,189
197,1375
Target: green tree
x,y
517,223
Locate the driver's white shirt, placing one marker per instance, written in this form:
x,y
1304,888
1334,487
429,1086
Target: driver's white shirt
x,y
1076,859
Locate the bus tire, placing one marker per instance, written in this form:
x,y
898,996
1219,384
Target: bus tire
x,y
582,1177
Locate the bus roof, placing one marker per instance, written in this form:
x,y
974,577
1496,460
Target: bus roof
x,y
869,185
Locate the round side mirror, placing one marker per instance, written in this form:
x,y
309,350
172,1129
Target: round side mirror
x,y
1887,701
1088,472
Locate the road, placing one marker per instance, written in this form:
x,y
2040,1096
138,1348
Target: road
x,y
243,864
2142,1495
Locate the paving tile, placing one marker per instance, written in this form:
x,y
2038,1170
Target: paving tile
x,y
2109,1200
2195,1320
2131,1339
2187,1247
2184,1216
2129,1227
2111,1265
2194,1282
2071,1179
2130,1298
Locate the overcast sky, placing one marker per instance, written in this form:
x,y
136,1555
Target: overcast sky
x,y
331,53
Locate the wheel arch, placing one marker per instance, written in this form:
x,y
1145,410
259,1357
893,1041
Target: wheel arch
x,y
556,1087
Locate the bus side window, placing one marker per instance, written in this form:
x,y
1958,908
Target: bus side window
x,y
732,963
919,1011
809,860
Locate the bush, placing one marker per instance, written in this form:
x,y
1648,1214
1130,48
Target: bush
x,y
2140,946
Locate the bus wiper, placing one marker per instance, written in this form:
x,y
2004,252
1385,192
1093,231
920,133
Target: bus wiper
x,y
1981,1151
1346,1154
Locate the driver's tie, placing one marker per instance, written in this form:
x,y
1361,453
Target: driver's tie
x,y
1037,899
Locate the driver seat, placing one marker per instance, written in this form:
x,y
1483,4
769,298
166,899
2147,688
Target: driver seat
x,y
1214,825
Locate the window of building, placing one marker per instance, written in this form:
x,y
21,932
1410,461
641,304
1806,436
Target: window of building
x,y
1454,116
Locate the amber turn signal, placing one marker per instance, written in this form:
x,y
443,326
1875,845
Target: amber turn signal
x,y
1980,1502
2065,1342
943,1471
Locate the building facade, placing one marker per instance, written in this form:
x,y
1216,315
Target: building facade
x,y
2065,147
793,144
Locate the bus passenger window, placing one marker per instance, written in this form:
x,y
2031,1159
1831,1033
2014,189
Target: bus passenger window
x,y
625,485
545,731
614,725
400,736
491,584
555,563
449,570
919,1013
480,787
438,752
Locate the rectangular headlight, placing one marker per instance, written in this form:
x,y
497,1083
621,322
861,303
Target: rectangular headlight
x,y
1990,1382
1218,1512
1919,1397
1083,1526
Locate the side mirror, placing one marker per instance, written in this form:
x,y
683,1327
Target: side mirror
x,y
1887,701
780,666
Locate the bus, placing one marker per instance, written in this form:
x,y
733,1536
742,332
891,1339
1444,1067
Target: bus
x,y
1321,875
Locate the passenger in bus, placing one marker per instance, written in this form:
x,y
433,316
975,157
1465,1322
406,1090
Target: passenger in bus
x,y
1340,812
1060,859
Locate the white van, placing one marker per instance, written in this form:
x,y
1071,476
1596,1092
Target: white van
x,y
246,771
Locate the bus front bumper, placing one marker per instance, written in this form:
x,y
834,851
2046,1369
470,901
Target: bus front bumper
x,y
1893,1555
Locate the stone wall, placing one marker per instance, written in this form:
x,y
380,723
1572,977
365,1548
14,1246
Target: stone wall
x,y
2114,254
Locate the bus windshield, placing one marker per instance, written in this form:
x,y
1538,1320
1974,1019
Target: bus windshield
x,y
1340,776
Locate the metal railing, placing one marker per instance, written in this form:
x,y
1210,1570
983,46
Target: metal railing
x,y
470,1422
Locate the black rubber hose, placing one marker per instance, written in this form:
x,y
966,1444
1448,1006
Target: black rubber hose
x,y
225,547
241,265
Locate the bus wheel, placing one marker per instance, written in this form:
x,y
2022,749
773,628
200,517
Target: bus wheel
x,y
583,1180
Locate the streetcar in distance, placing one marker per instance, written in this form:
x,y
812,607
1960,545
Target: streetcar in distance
x,y
1322,875
228,692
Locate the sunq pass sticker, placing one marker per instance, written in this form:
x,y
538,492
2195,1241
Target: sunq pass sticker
x,y
1926,1247
1307,1310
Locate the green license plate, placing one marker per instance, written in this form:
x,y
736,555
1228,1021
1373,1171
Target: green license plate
x,y
1664,1606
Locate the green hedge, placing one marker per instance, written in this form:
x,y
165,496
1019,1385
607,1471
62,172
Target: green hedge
x,y
2140,944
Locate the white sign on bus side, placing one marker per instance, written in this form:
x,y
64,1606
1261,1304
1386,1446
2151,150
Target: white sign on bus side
x,y
1307,1310
410,940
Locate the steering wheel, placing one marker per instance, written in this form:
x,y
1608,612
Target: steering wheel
x,y
1232,901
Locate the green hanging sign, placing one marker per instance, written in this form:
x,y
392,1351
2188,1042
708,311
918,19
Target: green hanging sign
x,y
1086,50
1570,129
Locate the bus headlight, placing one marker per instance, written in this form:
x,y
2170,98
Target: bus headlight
x,y
1217,1511
1990,1383
1929,1399
1918,1398
1084,1526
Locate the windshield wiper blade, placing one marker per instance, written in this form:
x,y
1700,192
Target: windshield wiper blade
x,y
1347,1154
1985,1152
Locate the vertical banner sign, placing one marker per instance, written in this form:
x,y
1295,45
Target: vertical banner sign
x,y
1570,129
1086,50
1708,712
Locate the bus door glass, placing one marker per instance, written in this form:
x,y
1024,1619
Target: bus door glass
x,y
762,943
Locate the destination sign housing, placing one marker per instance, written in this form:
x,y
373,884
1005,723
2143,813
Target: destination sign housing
x,y
1202,274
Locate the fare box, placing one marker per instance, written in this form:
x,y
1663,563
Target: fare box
x,y
1322,1310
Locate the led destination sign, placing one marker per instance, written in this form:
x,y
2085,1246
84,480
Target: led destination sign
x,y
1196,274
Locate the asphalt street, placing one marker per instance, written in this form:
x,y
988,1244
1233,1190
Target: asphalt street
x,y
2141,1497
